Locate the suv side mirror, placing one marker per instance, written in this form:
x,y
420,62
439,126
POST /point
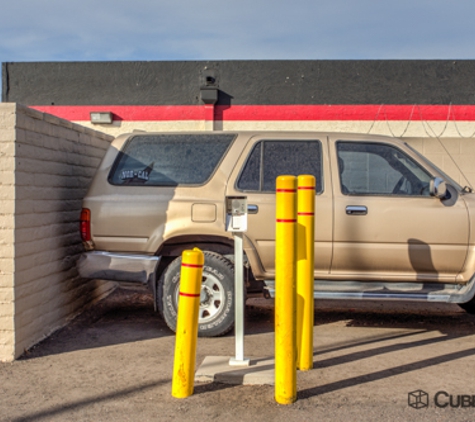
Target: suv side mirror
x,y
438,188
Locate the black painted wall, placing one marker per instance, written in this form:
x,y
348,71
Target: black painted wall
x,y
241,82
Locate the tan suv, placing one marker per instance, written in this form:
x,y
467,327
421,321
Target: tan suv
x,y
389,224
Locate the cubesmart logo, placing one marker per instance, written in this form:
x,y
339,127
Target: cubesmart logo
x,y
418,399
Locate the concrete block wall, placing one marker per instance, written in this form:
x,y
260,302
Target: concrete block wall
x,y
46,165
454,155
7,225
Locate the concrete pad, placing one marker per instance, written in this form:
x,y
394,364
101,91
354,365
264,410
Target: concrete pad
x,y
217,368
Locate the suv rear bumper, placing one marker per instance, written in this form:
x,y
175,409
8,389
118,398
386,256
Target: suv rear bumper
x,y
121,267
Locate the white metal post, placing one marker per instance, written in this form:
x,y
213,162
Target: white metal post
x,y
238,360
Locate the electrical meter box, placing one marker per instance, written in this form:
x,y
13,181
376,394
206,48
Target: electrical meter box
x,y
236,213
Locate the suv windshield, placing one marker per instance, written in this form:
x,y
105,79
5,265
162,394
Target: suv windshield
x,y
169,160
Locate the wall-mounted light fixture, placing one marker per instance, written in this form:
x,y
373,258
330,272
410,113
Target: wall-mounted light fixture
x,y
98,117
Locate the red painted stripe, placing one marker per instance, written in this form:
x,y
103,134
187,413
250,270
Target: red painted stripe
x,y
349,112
305,213
306,188
209,112
286,190
278,220
184,264
369,112
190,294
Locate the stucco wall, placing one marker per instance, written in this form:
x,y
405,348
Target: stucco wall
x,y
46,166
241,82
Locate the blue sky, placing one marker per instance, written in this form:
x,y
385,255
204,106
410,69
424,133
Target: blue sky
x,y
59,30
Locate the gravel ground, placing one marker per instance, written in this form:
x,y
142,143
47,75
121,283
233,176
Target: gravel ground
x,y
114,363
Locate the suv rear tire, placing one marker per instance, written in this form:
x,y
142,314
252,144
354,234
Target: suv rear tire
x,y
216,314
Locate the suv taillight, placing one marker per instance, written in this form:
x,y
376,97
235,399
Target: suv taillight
x,y
85,224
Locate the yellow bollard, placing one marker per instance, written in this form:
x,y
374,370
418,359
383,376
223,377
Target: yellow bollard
x,y
187,323
305,264
285,295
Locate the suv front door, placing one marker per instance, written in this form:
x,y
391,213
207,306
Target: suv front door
x,y
387,226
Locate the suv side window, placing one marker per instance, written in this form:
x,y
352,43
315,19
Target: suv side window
x,y
379,169
269,159
169,160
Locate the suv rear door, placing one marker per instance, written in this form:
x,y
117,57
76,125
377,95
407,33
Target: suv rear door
x,y
264,159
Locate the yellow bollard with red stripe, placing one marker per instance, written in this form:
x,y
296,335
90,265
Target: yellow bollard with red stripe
x,y
305,268
187,323
285,293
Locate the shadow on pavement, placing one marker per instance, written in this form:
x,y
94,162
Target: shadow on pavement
x,y
76,405
127,315
385,373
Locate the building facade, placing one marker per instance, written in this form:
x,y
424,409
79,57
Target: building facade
x,y
430,103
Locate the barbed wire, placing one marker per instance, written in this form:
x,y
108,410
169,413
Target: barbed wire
x,y
458,131
426,126
427,129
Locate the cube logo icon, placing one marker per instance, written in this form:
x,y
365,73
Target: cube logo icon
x,y
418,399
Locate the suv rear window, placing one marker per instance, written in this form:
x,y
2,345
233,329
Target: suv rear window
x,y
169,160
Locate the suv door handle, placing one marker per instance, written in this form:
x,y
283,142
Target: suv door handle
x,y
356,210
252,209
